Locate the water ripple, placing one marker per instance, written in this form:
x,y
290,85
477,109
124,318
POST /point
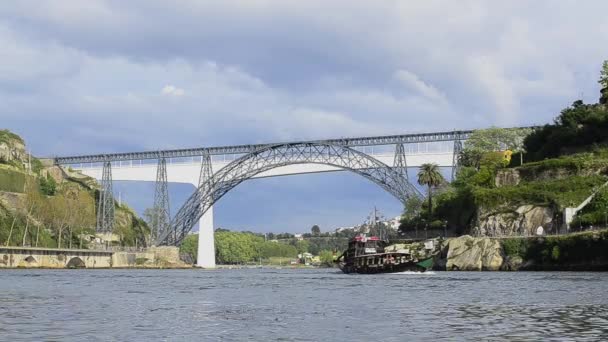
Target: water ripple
x,y
300,305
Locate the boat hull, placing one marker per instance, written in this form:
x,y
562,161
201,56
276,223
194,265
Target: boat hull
x,y
421,266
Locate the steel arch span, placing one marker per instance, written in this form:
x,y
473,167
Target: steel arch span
x,y
273,156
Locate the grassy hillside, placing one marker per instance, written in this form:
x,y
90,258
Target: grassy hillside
x,y
559,182
9,137
51,207
13,179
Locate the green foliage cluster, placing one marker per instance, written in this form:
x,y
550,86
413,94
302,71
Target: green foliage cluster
x,y
482,142
497,139
575,249
48,186
326,258
134,231
36,165
595,161
595,213
332,243
578,127
515,246
457,207
244,247
430,176
189,246
472,188
603,81
9,137
554,192
8,220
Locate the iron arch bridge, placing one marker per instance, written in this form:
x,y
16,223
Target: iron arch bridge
x,y
214,186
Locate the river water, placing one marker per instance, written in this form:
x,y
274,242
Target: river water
x,y
300,305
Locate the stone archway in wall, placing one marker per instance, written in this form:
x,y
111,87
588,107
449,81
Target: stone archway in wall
x,y
76,262
274,156
30,261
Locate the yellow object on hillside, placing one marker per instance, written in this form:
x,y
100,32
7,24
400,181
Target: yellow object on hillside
x,y
507,156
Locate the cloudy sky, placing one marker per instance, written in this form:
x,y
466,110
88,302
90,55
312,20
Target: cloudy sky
x,y
109,76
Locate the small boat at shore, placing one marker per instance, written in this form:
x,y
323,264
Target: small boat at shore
x,y
367,255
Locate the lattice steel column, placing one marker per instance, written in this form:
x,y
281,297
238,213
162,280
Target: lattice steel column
x,y
162,213
105,207
400,163
456,158
206,170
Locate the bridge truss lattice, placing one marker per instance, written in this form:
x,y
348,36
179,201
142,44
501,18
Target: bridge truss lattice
x,y
105,204
271,157
161,221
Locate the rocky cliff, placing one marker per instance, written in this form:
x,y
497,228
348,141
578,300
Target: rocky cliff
x,y
466,253
536,194
576,252
12,148
523,221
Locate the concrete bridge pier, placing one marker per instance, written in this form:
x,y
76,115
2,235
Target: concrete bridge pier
x,y
206,244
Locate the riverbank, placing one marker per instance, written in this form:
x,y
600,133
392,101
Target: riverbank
x,y
57,258
587,251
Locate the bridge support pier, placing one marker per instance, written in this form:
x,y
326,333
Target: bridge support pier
x,y
206,243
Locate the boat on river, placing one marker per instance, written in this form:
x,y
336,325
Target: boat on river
x,y
368,255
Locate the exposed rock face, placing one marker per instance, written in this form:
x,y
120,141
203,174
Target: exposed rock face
x,y
12,147
507,177
523,221
12,151
474,254
54,172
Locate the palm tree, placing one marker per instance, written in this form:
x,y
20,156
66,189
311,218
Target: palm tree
x,y
430,176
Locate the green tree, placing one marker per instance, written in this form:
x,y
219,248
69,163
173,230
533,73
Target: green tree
x,y
578,127
430,176
190,246
302,246
493,139
327,258
48,186
604,83
315,230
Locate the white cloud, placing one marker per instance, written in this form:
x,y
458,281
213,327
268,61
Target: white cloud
x,y
171,90
415,84
299,70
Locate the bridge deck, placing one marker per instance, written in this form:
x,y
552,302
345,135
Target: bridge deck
x,y
243,149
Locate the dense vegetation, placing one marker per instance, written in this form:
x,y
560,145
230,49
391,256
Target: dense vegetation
x,y
578,128
584,250
247,247
9,137
556,166
238,247
36,210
